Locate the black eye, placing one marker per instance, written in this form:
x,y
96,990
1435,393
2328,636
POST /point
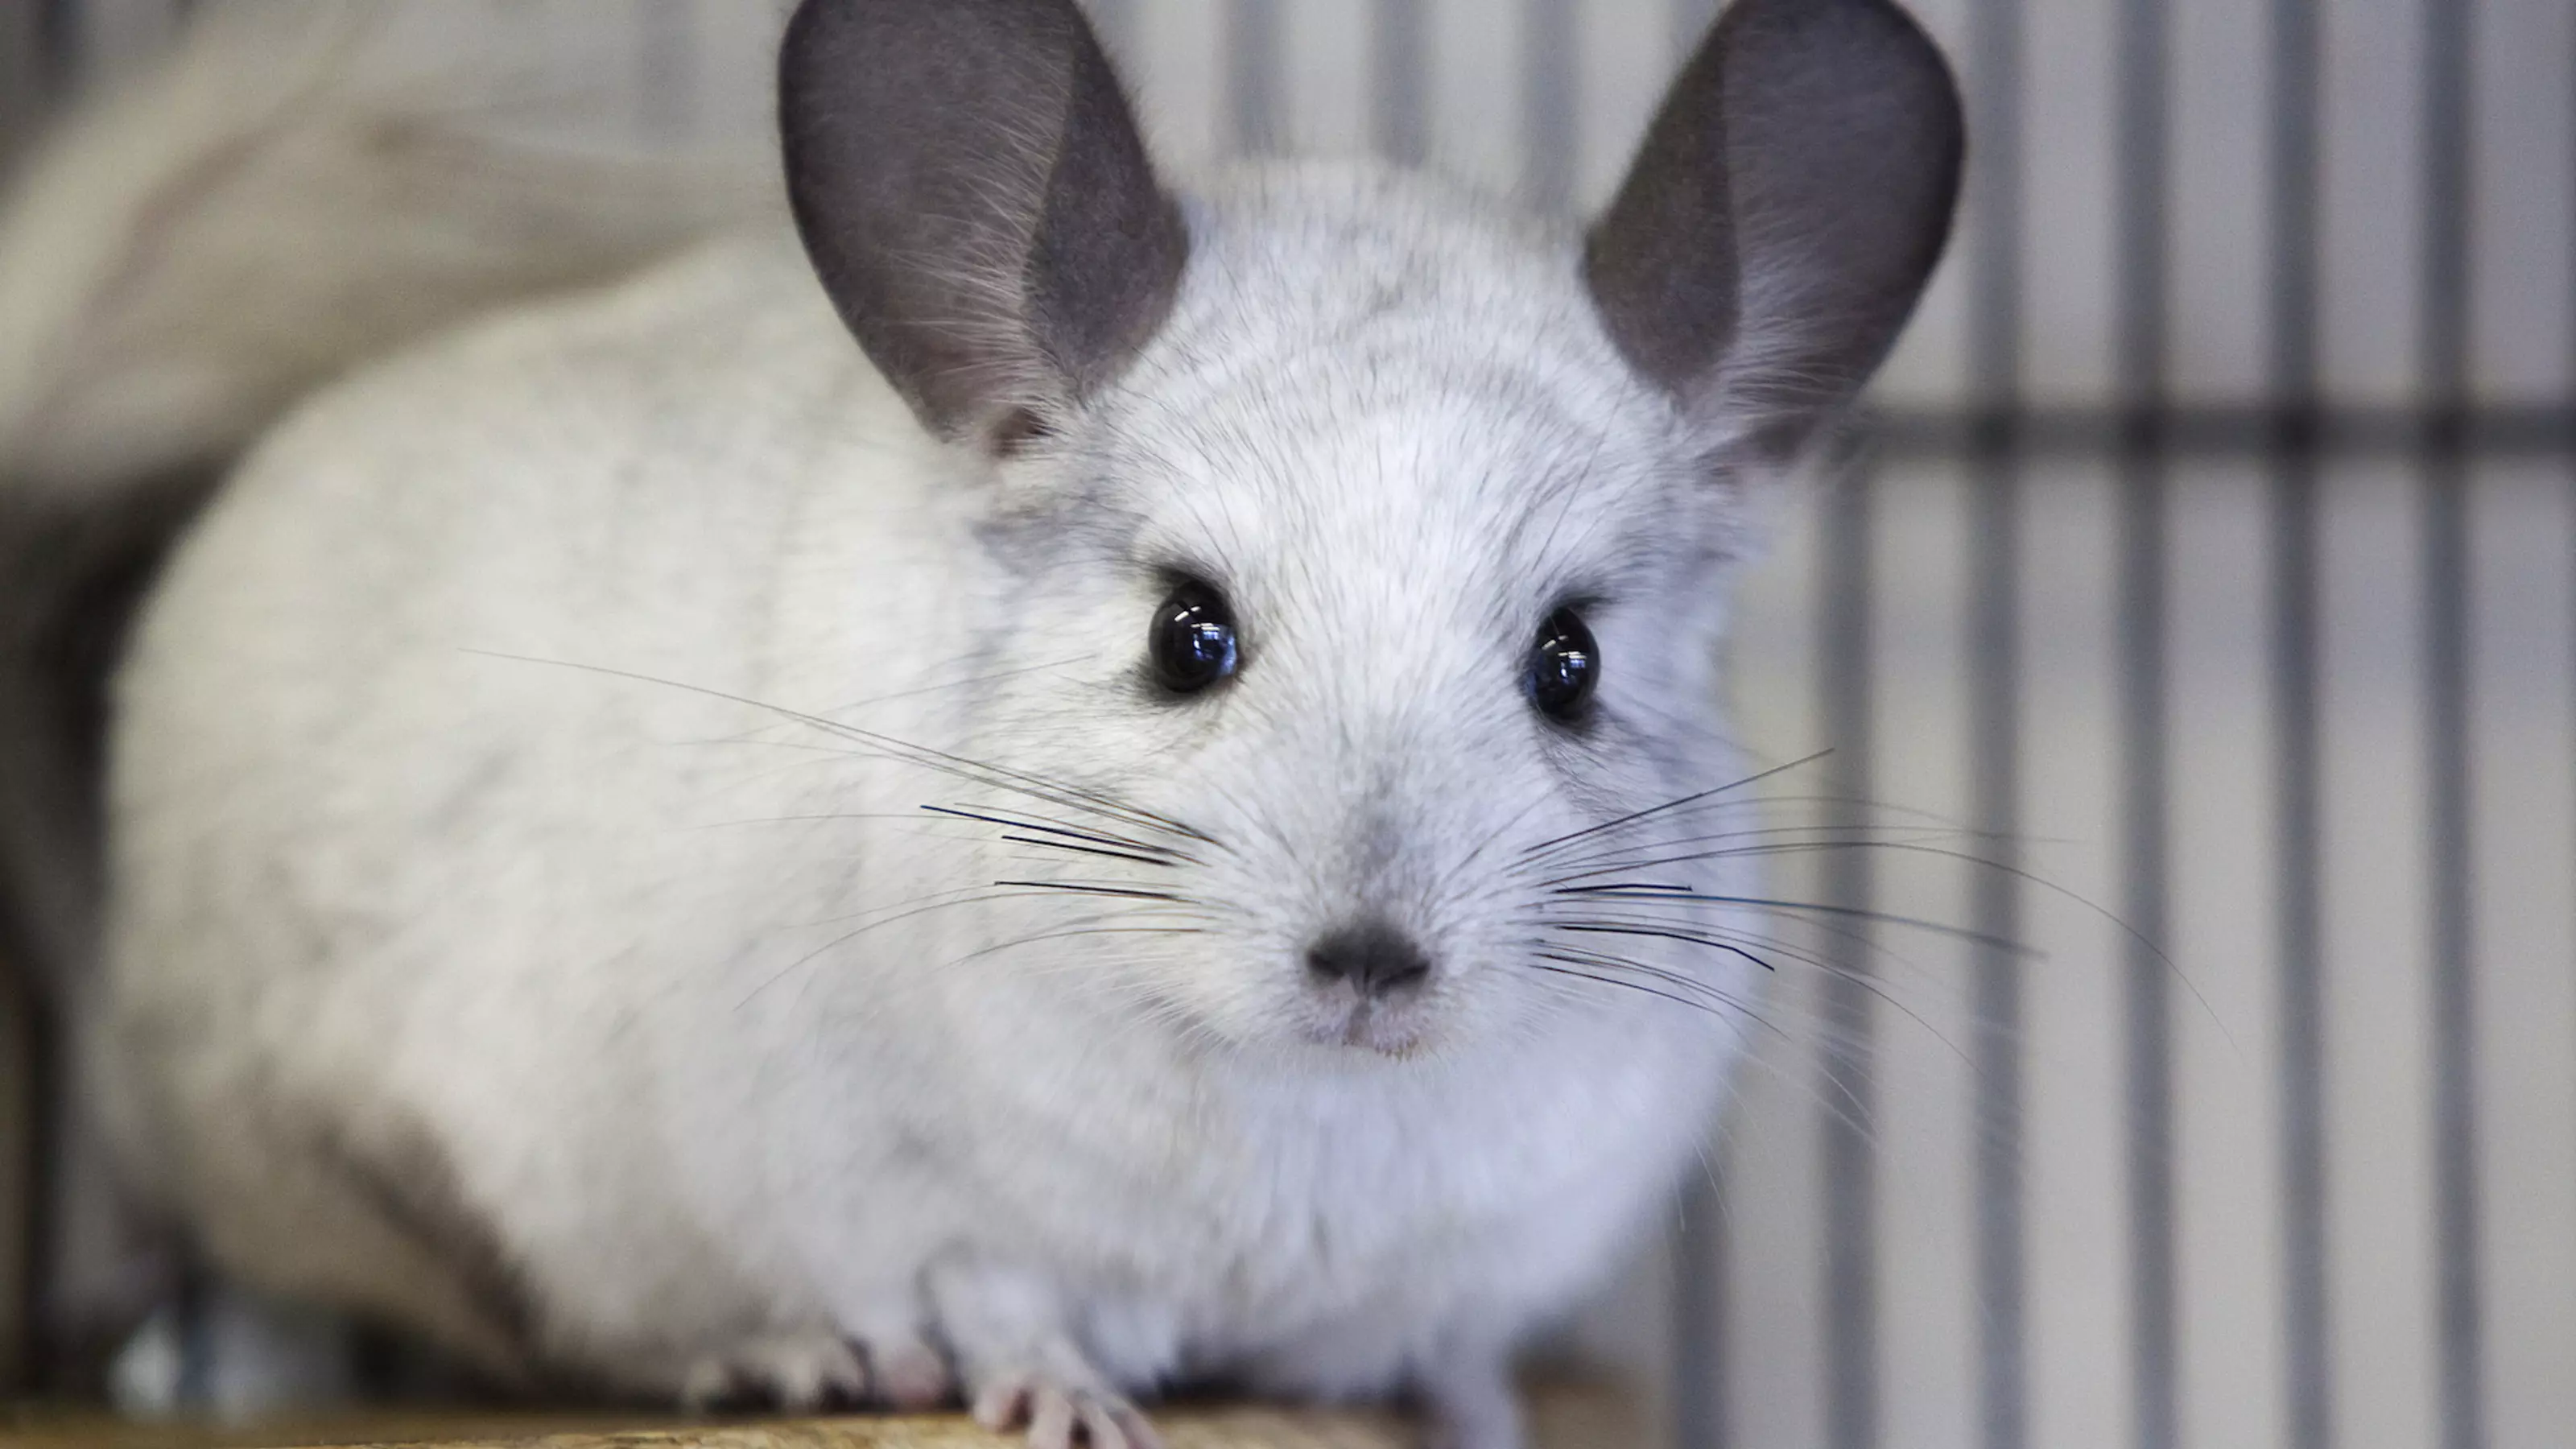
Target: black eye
x,y
1564,666
1192,639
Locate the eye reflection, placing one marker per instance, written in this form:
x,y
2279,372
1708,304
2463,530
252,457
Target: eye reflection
x,y
1192,639
1563,667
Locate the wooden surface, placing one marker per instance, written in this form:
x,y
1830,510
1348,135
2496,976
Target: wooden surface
x,y
1207,1429
1565,1417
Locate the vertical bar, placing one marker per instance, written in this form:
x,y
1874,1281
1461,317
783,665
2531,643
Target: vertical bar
x,y
1699,1314
26,81
1701,1413
59,47
56,63
1402,123
1549,68
22,80
2143,729
20,1178
666,52
1994,631
1848,1095
2293,148
1252,75
2444,485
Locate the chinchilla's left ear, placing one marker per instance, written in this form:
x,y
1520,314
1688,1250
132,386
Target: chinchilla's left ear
x,y
977,201
1787,206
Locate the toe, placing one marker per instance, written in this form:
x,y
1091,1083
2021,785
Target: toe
x,y
1002,1404
1099,1429
910,1375
1112,1425
1138,1429
1051,1427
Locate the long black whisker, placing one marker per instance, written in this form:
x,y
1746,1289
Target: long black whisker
x,y
1775,945
1678,980
2027,877
1608,928
1779,847
1779,835
1088,850
1716,941
1819,958
1718,1002
1545,846
1816,908
1124,892
1055,827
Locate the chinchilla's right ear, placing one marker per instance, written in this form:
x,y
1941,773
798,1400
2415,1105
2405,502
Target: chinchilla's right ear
x,y
975,196
1784,212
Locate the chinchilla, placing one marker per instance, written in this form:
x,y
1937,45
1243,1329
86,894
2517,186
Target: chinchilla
x,y
1037,787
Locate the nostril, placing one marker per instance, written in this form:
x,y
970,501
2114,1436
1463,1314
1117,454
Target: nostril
x,y
1372,956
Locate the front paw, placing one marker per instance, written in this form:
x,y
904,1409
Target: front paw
x,y
1060,1414
817,1372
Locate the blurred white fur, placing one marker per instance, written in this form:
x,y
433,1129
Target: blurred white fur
x,y
304,185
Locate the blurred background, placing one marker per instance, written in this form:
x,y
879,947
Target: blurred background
x,y
2208,555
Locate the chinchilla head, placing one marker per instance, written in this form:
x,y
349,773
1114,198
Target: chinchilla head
x,y
1395,530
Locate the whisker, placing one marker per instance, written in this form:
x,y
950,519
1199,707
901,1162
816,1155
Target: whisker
x,y
970,895
1545,847
1125,892
1053,827
1817,908
1070,934
1609,928
978,771
1678,980
1089,850
1908,847
1718,940
1767,834
1630,986
1793,847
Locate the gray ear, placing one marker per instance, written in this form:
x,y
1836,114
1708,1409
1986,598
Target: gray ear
x,y
1788,203
976,199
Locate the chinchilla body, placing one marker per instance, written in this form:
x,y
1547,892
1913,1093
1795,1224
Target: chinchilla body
x,y
702,1009
1044,795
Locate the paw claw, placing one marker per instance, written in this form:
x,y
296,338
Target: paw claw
x,y
794,1374
1062,1416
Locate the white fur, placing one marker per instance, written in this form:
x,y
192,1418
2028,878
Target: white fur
x,y
306,185
441,819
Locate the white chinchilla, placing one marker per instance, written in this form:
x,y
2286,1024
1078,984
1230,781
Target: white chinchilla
x,y
1144,820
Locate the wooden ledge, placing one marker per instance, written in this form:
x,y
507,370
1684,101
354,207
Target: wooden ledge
x,y
1565,1417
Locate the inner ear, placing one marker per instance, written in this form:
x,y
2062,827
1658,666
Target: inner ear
x,y
1784,212
971,187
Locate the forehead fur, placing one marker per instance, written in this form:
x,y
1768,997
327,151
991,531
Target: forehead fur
x,y
1370,264
1360,356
